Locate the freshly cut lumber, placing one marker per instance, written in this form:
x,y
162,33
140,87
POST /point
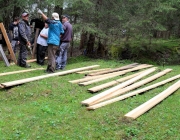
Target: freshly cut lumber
x,y
114,70
120,86
133,86
142,66
20,71
85,72
98,80
22,81
153,101
34,60
3,30
93,107
1,86
115,82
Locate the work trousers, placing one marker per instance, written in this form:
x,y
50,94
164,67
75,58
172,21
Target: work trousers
x,y
51,57
40,54
22,55
61,58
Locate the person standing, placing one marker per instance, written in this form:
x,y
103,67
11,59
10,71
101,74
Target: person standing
x,y
53,41
61,58
13,28
24,39
42,45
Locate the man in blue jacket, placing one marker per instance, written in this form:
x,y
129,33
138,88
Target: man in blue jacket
x,y
53,41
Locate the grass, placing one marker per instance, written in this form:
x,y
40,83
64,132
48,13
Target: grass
x,y
50,109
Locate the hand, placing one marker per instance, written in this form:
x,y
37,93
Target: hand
x,y
28,43
39,11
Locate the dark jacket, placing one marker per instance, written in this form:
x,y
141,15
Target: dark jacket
x,y
15,32
38,24
24,32
67,36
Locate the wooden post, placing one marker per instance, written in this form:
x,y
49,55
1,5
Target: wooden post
x,y
35,43
93,107
152,102
4,56
8,43
99,96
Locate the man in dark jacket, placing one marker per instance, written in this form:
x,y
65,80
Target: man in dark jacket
x,y
24,39
61,58
13,28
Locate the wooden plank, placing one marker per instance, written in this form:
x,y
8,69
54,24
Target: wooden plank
x,y
131,87
22,81
8,43
85,72
4,56
114,70
1,86
153,101
120,73
34,60
99,96
93,107
20,71
112,83
35,43
98,80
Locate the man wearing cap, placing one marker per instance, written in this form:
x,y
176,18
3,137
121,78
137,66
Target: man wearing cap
x,y
61,59
24,39
53,41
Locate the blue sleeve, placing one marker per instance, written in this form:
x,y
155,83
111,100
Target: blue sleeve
x,y
49,21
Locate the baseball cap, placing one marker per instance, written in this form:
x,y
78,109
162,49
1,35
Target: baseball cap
x,y
25,14
65,16
55,16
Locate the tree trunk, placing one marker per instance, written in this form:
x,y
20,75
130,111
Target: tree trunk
x,y
101,49
17,12
90,44
58,10
83,41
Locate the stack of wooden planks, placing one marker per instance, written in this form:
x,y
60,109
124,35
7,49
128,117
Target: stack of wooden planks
x,y
126,86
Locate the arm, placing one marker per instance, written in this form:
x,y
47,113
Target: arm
x,y
44,36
